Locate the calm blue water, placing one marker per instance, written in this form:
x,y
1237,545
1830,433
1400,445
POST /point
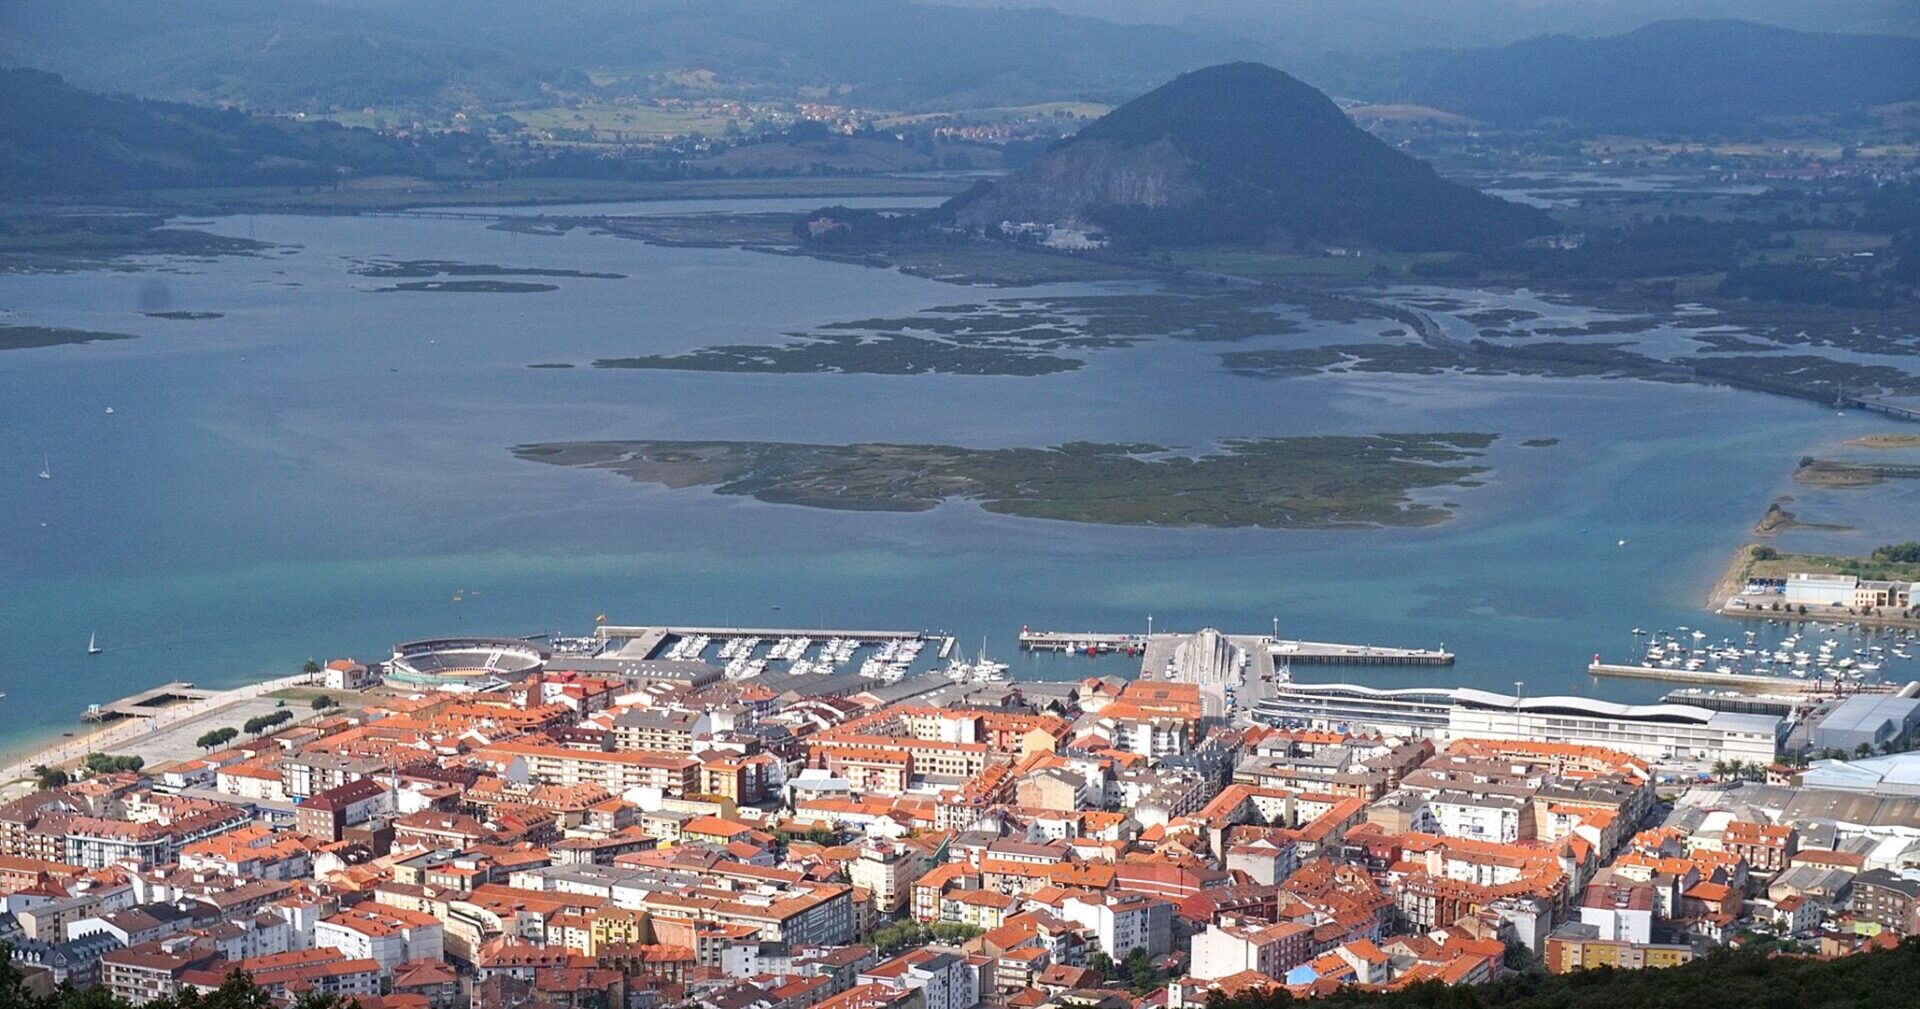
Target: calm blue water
x,y
321,470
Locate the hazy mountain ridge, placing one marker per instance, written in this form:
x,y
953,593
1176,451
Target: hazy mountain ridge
x,y
1245,153
1680,76
289,55
63,140
887,53
278,55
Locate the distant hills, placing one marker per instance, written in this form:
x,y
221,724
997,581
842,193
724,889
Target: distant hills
x,y
1298,28
290,55
879,53
1242,153
276,55
1692,77
61,140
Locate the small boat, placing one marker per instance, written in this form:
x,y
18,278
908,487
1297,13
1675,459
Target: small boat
x,y
109,409
93,644
46,467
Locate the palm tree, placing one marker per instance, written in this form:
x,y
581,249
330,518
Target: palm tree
x,y
1720,769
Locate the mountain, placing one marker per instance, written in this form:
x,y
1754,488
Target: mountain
x,y
274,55
1690,77
1242,153
62,140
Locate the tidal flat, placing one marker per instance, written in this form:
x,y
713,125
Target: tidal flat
x,y
468,287
408,269
1032,335
1324,482
53,242
27,337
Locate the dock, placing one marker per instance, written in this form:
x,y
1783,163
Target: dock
x,y
147,703
1328,653
1085,644
1284,651
1745,683
643,641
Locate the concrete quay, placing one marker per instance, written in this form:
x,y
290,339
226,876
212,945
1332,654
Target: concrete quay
x,y
1746,684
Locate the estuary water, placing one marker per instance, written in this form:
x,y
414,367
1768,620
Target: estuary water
x,y
323,468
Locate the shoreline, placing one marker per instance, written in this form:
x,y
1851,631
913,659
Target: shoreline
x,y
1735,576
65,750
1732,578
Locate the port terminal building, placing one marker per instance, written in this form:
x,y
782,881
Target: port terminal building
x,y
1653,732
1870,720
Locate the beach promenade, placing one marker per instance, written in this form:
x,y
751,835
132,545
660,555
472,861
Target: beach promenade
x,y
161,730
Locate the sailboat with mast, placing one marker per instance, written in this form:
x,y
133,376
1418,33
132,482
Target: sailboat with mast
x,y
46,467
980,670
93,643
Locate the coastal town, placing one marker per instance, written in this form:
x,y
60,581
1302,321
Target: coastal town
x,y
765,819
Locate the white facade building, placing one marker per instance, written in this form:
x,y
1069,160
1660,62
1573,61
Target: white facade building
x,y
1123,922
1649,731
390,935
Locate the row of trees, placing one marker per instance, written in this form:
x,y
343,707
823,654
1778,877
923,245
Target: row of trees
x,y
216,737
907,932
93,763
237,992
1734,770
255,725
261,723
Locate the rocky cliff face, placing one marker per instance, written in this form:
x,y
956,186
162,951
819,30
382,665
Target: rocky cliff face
x,y
1063,184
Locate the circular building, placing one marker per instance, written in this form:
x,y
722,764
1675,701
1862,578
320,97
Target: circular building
x,y
439,663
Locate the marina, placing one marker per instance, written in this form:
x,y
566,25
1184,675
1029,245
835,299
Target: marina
x,y
1777,657
884,655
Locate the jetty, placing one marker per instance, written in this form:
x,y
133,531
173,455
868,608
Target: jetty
x,y
1286,651
1743,682
1331,654
147,703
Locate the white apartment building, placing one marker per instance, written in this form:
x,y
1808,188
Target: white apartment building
x,y
1123,922
389,935
1482,817
1229,947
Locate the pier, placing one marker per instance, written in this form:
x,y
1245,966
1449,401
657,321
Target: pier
x,y
147,703
1745,683
1283,650
1328,653
1086,644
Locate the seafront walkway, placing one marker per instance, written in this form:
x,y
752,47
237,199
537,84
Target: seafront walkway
x,y
131,731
